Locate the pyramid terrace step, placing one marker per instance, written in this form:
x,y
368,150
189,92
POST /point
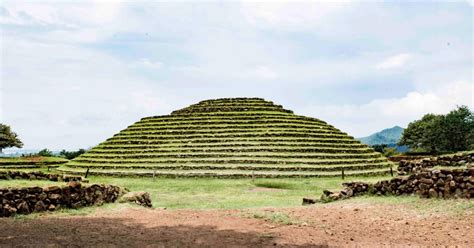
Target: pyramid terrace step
x,y
226,126
212,154
146,128
227,114
230,109
236,145
233,160
227,130
132,133
185,150
205,140
232,116
232,135
224,173
234,119
254,167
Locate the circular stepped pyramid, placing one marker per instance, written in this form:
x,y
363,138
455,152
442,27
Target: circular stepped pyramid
x,y
231,138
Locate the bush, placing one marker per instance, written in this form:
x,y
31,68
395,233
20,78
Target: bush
x,y
71,154
45,153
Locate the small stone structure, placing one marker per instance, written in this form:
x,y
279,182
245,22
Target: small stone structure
x,y
427,183
38,175
452,160
36,199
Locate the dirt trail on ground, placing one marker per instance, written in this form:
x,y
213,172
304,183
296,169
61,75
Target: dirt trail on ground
x,y
315,226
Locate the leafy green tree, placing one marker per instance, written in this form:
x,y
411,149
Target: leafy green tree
x,y
458,130
45,153
8,138
379,147
71,154
441,133
385,150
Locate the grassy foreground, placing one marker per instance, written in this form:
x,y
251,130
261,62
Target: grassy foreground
x,y
208,193
203,193
211,193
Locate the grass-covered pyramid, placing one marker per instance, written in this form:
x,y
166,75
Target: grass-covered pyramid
x,y
236,137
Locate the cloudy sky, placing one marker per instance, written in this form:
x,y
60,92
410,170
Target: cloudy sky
x,y
73,73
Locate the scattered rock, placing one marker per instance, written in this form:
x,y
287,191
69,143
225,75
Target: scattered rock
x,y
308,201
141,198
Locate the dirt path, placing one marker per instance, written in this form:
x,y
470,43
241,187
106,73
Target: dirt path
x,y
321,226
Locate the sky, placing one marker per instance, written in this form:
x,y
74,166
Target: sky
x,y
73,73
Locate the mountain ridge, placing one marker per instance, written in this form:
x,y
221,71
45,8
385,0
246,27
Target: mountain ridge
x,y
388,136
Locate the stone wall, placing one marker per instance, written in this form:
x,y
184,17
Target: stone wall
x,y
458,159
430,183
38,175
427,183
36,199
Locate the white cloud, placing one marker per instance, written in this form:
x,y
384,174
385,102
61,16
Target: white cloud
x,y
266,73
396,61
290,15
148,63
364,119
90,58
72,93
147,102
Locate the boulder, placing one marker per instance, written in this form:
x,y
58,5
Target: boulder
x,y
432,193
40,206
308,201
141,198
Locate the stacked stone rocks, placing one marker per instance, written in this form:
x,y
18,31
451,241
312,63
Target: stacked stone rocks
x,y
428,183
350,189
36,199
38,175
454,183
452,160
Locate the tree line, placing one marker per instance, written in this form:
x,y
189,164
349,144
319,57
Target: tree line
x,y
8,139
441,133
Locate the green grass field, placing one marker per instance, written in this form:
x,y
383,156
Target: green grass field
x,y
207,193
212,193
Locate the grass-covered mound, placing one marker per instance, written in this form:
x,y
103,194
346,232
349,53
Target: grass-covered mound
x,y
235,137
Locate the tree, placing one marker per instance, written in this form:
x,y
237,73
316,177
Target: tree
x,y
45,153
458,133
71,154
379,147
441,133
8,138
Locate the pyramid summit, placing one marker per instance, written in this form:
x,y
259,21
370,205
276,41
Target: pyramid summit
x,y
231,137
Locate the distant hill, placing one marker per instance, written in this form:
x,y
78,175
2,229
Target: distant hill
x,y
389,136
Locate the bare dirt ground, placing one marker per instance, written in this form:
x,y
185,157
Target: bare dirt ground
x,y
341,224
